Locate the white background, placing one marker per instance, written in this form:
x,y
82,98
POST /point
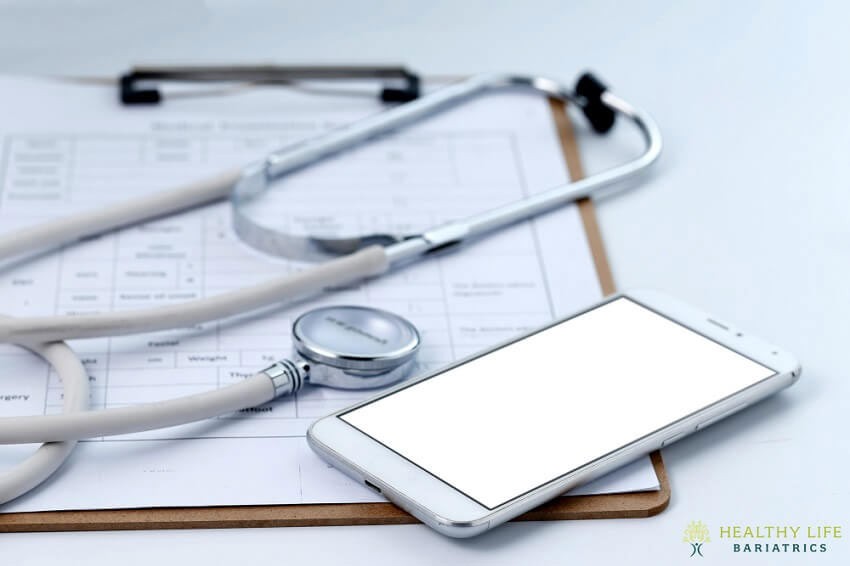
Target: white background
x,y
746,216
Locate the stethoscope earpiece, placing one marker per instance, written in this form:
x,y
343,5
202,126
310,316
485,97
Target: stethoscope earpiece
x,y
600,115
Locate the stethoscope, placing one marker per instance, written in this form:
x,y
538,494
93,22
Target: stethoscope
x,y
349,347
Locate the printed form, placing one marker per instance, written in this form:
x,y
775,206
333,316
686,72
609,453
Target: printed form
x,y
69,147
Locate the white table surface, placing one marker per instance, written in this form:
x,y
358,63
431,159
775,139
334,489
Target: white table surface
x,y
747,216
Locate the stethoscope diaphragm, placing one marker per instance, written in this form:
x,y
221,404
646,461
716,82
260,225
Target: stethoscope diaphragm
x,y
354,347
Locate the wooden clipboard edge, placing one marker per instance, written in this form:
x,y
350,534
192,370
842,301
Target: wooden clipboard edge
x,y
569,146
647,503
609,506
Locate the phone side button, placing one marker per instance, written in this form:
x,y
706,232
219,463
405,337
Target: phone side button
x,y
719,417
676,437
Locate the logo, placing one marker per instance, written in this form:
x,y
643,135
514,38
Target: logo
x,y
765,538
696,534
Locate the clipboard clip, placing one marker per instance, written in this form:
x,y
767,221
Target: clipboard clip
x,y
398,84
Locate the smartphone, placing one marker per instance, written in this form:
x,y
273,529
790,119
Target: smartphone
x,y
501,432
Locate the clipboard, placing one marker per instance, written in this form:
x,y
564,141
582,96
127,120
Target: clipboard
x,y
606,506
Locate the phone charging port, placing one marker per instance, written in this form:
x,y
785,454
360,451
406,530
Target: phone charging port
x,y
372,486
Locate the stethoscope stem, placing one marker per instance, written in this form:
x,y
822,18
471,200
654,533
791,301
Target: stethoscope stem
x,y
288,376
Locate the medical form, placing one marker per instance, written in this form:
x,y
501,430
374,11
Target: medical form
x,y
70,147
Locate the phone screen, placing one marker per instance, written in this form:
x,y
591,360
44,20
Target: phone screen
x,y
505,423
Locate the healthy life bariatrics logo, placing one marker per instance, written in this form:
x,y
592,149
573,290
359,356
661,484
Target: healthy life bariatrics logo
x,y
764,539
696,534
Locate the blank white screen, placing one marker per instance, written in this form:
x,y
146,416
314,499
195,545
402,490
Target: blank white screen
x,y
505,423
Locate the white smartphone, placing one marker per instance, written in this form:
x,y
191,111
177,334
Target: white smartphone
x,y
494,435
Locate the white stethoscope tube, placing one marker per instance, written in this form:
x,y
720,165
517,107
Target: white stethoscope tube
x,y
358,265
41,334
43,462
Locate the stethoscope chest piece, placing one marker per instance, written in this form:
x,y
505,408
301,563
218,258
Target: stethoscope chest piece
x,y
355,347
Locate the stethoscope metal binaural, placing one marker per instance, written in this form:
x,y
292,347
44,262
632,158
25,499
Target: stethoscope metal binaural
x,y
350,347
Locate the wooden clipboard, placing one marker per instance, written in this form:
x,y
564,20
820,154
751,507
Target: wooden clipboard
x,y
619,505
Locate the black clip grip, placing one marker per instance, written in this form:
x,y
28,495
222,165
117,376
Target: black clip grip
x,y
131,95
131,92
410,91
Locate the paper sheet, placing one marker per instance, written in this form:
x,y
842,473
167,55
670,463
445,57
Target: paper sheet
x,y
70,147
